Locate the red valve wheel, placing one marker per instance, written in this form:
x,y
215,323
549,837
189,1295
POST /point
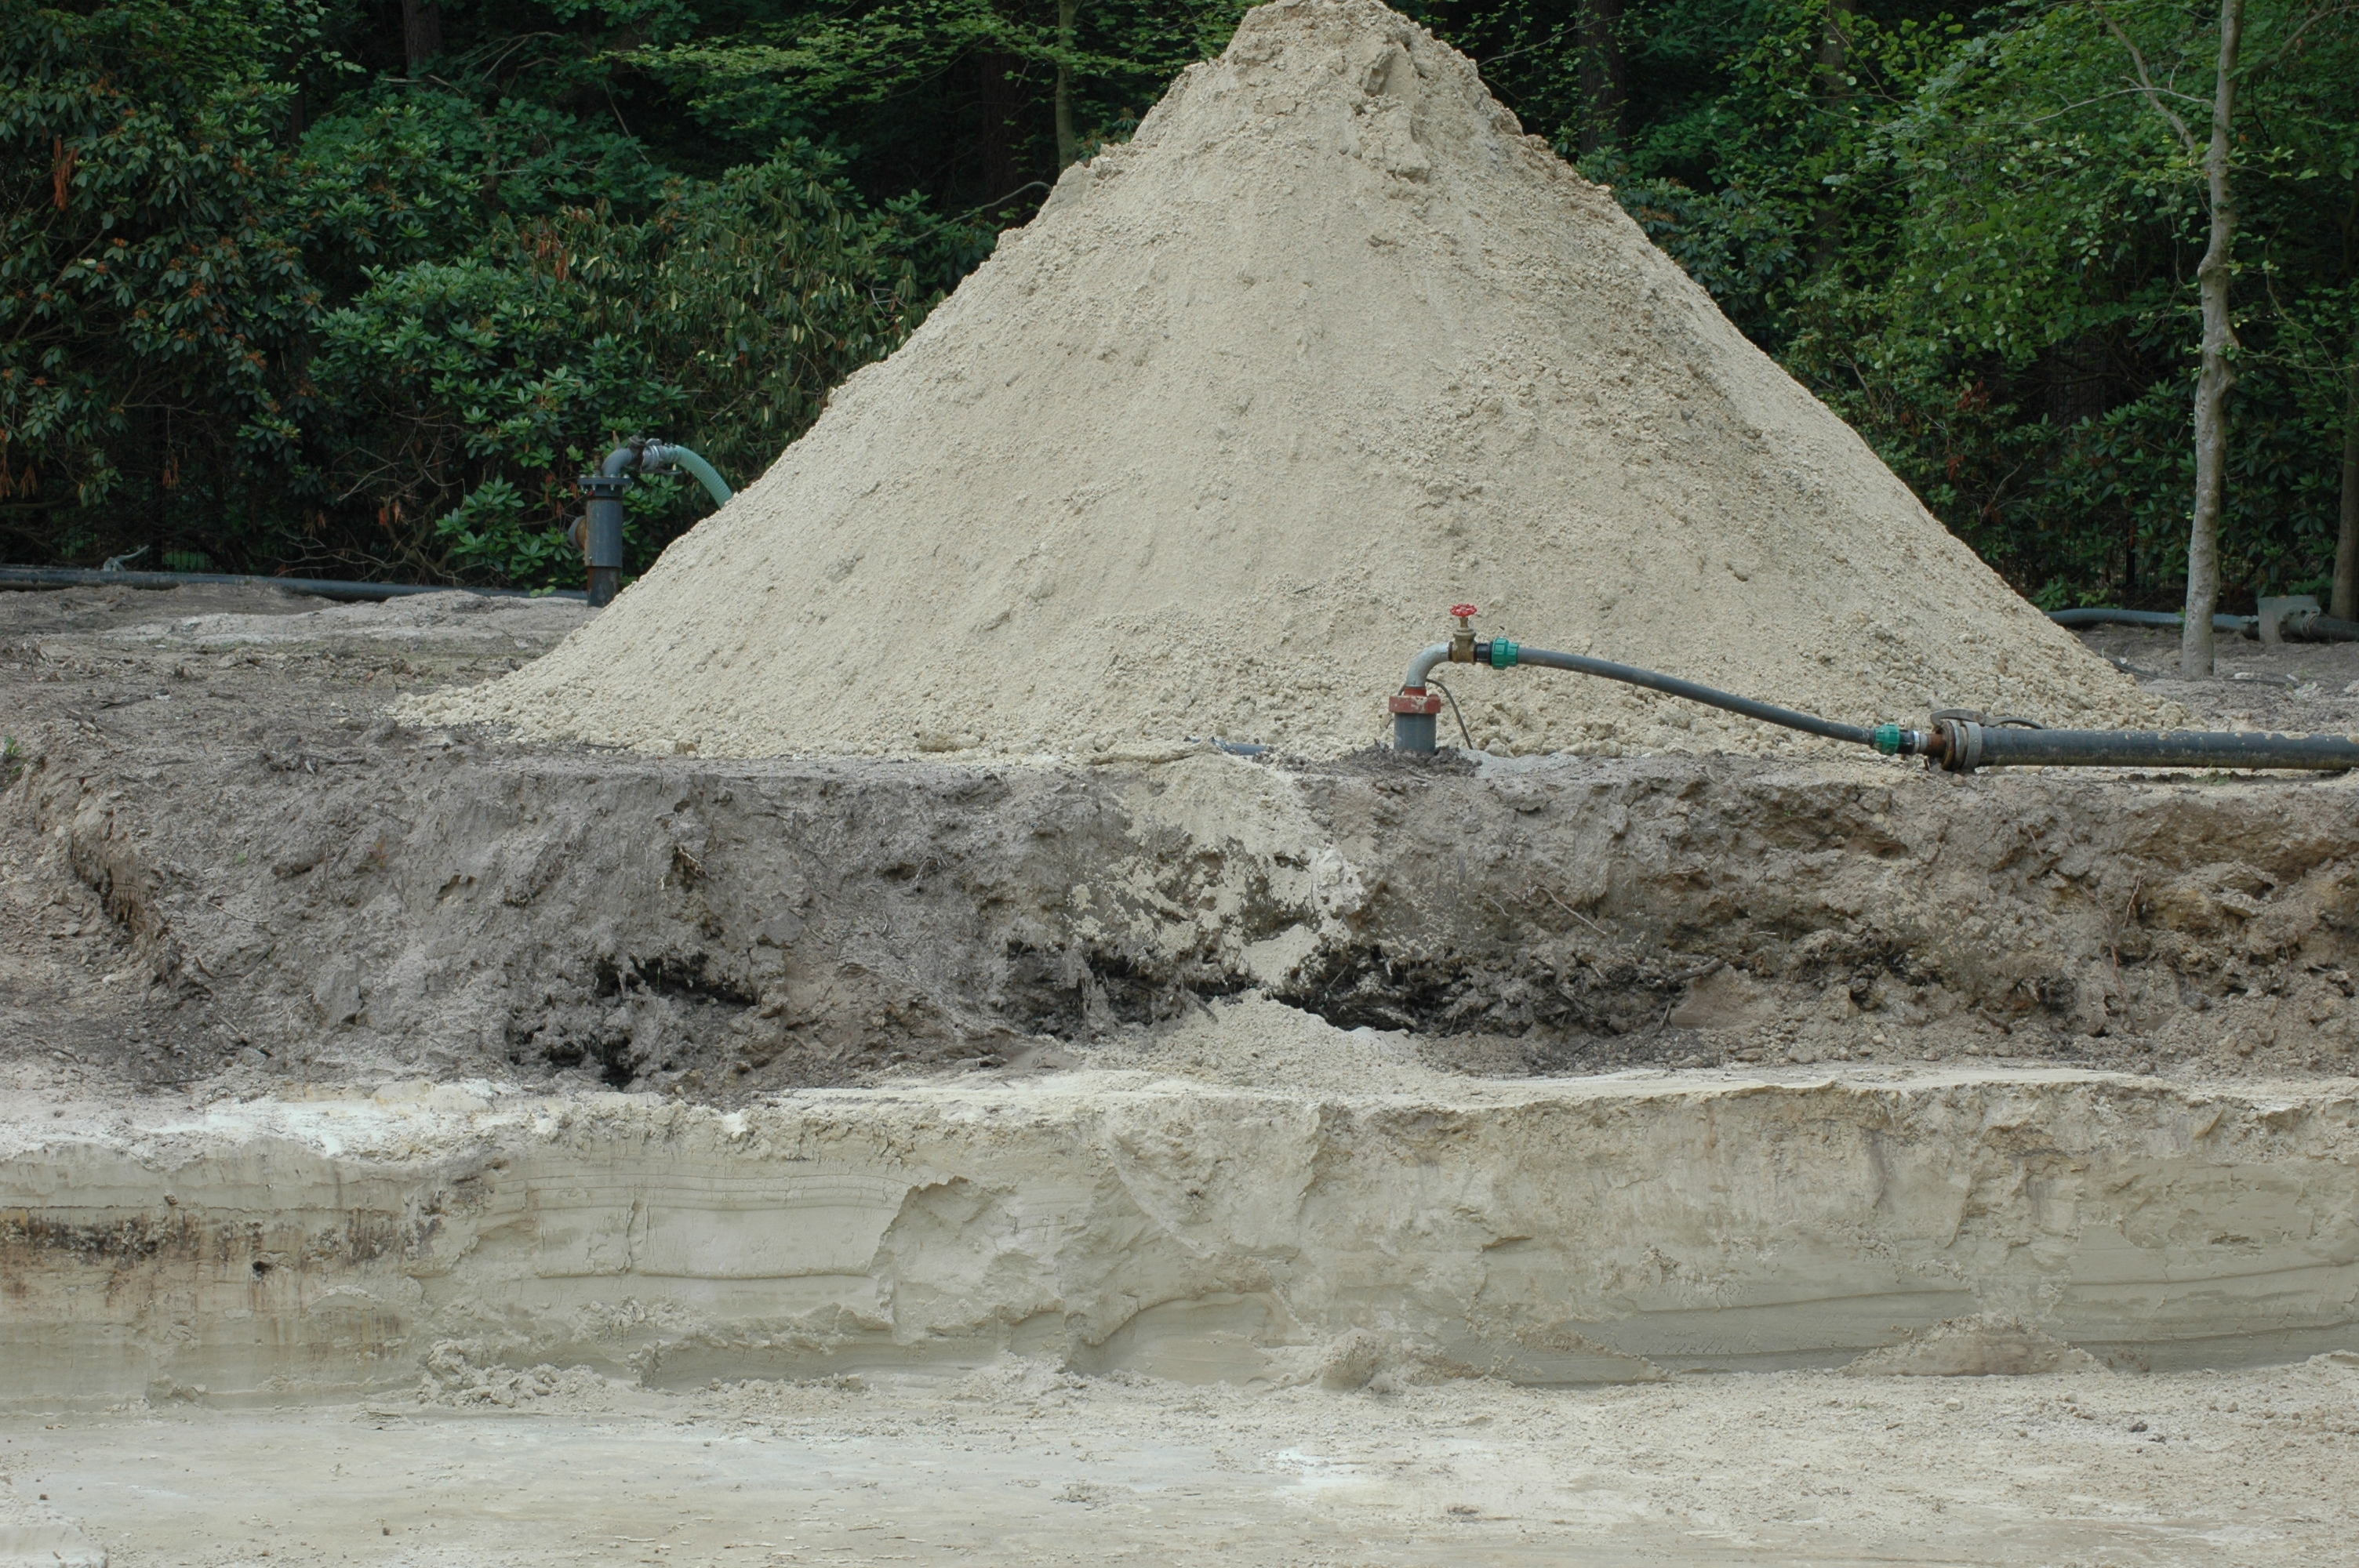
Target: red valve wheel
x,y
1463,611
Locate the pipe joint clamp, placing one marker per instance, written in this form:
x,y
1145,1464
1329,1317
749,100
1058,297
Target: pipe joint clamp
x,y
1501,653
1962,745
1415,700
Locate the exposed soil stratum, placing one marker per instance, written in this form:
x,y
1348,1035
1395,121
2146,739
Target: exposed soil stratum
x,y
1208,447
325,892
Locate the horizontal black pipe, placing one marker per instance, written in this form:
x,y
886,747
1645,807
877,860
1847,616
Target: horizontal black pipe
x,y
1769,713
2171,618
318,588
2150,748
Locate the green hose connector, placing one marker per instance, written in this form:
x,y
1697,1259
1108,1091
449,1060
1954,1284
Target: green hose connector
x,y
1887,739
1503,653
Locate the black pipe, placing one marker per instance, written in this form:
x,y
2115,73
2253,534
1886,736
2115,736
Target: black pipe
x,y
32,578
2242,624
1994,748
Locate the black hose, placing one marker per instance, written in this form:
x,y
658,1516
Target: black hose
x,y
30,578
2177,748
2169,617
1962,742
1631,675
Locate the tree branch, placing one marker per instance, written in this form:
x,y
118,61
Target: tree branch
x,y
2154,95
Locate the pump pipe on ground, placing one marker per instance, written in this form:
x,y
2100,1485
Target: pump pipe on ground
x,y
39,577
1959,741
2292,618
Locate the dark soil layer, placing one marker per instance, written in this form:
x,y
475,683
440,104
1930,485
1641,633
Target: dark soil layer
x,y
230,867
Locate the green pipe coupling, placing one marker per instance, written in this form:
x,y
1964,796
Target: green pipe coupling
x,y
1503,653
1887,739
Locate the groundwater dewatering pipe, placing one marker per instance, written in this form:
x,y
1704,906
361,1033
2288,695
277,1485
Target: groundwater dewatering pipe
x,y
1958,744
601,523
660,455
2295,618
1967,746
2164,618
35,577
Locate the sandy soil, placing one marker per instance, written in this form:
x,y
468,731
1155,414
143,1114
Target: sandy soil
x,y
1209,447
1018,1464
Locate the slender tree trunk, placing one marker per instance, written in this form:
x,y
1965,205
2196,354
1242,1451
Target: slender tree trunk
x,y
1069,146
2346,547
1602,79
2213,380
1835,87
422,31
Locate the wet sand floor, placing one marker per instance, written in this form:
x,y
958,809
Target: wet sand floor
x,y
1018,1463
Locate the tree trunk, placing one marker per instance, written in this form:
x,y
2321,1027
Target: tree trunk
x,y
422,31
1602,79
1069,146
2346,547
1834,88
2212,381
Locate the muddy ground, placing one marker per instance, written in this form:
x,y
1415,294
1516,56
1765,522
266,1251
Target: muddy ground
x,y
225,867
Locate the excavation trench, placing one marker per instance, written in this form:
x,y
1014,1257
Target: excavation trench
x,y
345,1054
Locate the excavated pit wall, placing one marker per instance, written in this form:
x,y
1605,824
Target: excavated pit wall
x,y
347,901
1548,1232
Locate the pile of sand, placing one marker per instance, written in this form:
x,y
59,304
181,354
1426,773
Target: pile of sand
x,y
1208,448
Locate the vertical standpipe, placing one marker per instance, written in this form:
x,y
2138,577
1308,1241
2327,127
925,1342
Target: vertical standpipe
x,y
602,528
604,533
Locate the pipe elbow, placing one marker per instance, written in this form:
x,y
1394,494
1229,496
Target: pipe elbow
x,y
661,455
1422,665
619,461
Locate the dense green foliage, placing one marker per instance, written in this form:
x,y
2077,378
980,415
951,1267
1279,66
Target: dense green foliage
x,y
360,285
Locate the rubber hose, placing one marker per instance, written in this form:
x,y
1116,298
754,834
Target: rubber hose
x,y
2177,748
664,454
1631,675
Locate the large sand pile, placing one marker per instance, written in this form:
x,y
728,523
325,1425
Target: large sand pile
x,y
1209,447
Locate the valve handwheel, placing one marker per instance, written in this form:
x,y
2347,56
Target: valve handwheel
x,y
1463,611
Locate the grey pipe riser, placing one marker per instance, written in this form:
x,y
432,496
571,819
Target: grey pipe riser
x,y
35,578
1414,733
2175,749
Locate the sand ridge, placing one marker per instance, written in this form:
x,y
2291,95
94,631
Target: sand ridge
x,y
1209,445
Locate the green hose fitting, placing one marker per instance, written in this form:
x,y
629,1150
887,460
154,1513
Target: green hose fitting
x,y
1887,739
1503,653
